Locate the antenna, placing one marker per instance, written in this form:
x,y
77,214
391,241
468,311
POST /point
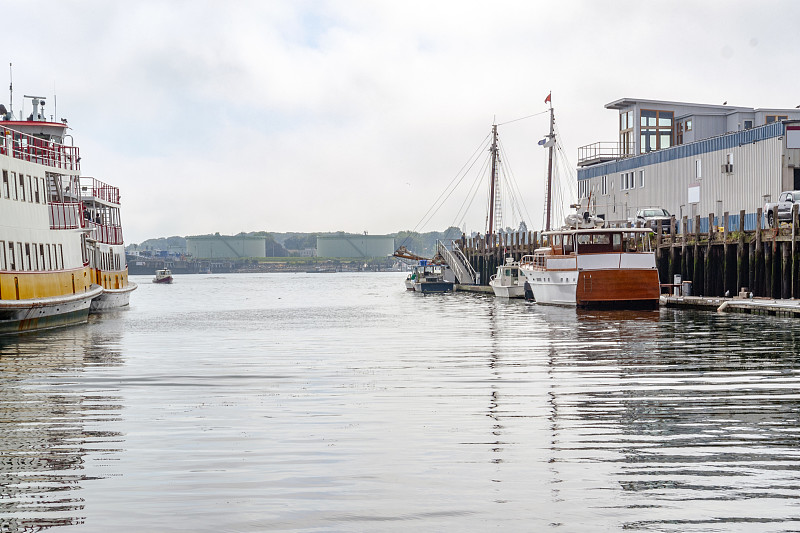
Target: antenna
x,y
10,91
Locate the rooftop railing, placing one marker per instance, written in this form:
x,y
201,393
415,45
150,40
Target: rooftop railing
x,y
604,151
31,148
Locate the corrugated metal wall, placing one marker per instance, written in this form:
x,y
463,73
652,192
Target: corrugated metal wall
x,y
668,174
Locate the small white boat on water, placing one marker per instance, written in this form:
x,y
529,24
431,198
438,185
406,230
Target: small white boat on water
x,y
509,282
163,275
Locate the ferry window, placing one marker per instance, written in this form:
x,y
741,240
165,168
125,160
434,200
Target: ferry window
x,y
2,255
60,257
28,263
36,191
5,184
14,186
49,259
30,189
22,187
41,257
12,259
21,265
44,196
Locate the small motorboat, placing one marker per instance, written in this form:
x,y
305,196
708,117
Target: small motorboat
x,y
163,275
509,282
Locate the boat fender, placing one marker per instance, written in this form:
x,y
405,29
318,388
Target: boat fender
x,y
723,307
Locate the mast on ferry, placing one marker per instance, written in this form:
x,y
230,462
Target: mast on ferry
x,y
550,142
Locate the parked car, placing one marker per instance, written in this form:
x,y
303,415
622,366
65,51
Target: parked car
x,y
784,203
652,217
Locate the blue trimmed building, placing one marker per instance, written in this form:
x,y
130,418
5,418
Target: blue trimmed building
x,y
691,159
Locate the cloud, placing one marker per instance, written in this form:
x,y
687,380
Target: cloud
x,y
354,115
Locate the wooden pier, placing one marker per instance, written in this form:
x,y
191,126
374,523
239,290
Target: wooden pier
x,y
722,261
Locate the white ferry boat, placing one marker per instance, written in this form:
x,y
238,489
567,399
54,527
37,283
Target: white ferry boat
x,y
53,261
594,267
101,218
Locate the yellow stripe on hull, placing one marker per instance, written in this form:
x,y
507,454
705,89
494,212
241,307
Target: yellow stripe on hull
x,y
27,285
110,279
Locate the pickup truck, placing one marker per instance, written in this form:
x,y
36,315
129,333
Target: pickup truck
x,y
784,203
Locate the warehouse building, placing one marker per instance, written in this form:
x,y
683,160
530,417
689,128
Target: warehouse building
x,y
348,245
691,159
225,246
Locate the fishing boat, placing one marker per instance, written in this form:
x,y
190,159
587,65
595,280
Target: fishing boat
x,y
163,275
433,277
101,206
46,279
509,281
588,265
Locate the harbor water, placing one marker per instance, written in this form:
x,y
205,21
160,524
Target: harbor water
x,y
341,402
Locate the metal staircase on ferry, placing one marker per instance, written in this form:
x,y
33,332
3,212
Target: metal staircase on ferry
x,y
458,263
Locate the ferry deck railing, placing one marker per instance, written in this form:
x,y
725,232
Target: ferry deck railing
x,y
92,187
103,233
31,148
66,215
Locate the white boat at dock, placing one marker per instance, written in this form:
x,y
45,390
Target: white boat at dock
x,y
509,281
594,267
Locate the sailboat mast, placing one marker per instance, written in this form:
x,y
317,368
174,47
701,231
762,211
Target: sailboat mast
x,y
493,179
551,140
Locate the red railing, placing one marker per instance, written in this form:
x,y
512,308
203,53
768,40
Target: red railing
x,y
30,148
102,191
105,234
67,215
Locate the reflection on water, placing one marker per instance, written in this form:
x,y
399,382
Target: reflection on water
x,y
49,428
343,403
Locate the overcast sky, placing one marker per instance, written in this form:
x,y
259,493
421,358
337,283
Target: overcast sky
x,y
355,115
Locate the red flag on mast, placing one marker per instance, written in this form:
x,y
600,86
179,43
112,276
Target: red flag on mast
x,y
548,97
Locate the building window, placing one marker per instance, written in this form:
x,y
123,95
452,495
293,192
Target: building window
x,y
583,189
748,124
775,118
626,181
626,133
679,133
698,169
689,125
604,185
641,179
655,130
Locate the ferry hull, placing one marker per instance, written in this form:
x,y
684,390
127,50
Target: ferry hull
x,y
19,316
112,299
